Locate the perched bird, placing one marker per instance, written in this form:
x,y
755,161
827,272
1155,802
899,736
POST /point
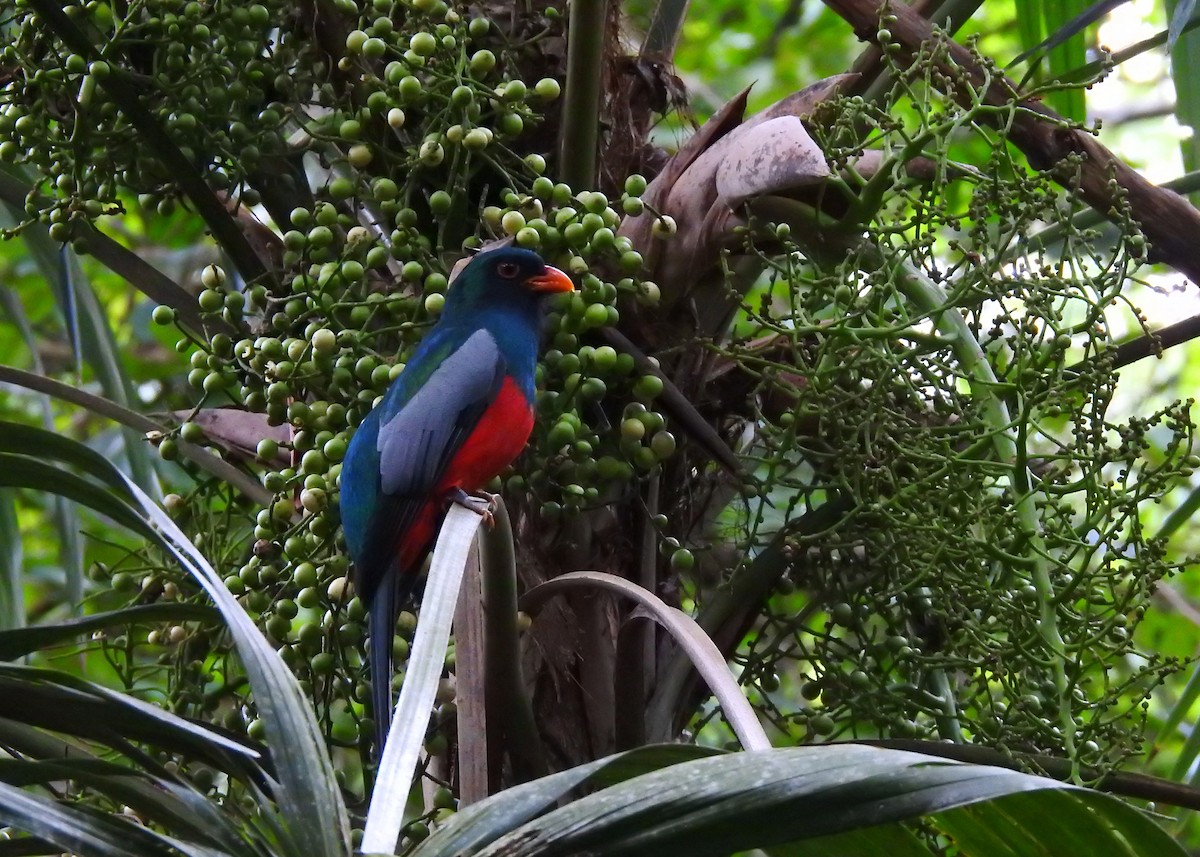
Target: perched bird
x,y
459,413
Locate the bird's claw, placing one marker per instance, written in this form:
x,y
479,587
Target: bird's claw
x,y
482,504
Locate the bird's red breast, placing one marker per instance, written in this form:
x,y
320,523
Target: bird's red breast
x,y
495,443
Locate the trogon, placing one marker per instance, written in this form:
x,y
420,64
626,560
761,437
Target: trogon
x,y
456,416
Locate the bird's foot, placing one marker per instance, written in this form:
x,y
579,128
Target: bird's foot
x,y
482,504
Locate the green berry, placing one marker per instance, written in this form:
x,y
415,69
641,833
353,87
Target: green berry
x,y
440,203
355,41
547,89
482,62
648,387
423,44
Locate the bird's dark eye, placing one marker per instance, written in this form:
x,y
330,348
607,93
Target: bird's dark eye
x,y
508,270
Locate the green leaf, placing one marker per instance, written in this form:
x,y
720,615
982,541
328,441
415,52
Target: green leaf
x,y
1179,18
733,802
1185,67
1055,31
169,803
91,336
15,187
140,423
12,595
101,352
66,521
77,830
54,700
892,840
311,816
21,641
479,824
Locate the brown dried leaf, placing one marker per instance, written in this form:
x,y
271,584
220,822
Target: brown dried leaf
x,y
770,157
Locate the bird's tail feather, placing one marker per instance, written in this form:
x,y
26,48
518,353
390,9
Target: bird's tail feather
x,y
382,628
398,591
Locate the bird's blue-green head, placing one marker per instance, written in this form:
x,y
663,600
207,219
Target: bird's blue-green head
x,y
508,277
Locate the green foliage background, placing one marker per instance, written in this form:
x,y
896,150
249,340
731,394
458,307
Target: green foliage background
x,y
953,600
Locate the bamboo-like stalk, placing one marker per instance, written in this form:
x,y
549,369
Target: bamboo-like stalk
x,y
470,679
579,132
509,708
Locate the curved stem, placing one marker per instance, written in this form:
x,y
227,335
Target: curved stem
x,y
727,615
698,646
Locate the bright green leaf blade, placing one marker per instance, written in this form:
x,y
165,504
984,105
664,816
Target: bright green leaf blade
x,y
66,521
1179,711
91,336
15,187
1028,18
1056,823
101,352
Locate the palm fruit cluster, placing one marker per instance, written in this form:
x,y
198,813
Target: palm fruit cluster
x,y
382,143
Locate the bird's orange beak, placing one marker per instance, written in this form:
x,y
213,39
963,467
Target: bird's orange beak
x,y
551,282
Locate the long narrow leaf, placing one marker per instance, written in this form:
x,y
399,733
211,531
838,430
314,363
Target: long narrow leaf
x,y
1185,66
66,521
385,816
62,703
15,187
730,803
170,804
75,830
90,333
101,352
1180,14
312,817
479,824
12,598
96,404
22,641
22,471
